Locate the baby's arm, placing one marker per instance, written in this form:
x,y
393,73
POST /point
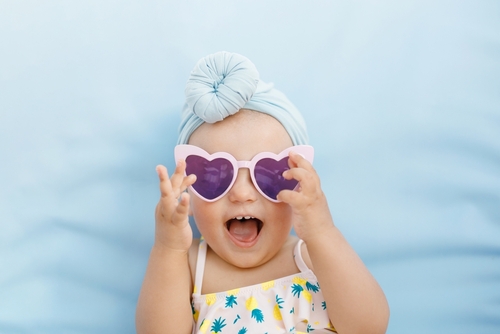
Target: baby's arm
x,y
357,303
164,301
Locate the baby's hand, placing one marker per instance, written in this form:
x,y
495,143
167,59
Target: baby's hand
x,y
311,214
172,224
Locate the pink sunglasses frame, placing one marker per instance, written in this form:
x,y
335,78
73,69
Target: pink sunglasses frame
x,y
181,152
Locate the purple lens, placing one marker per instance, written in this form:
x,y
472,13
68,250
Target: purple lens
x,y
212,177
268,175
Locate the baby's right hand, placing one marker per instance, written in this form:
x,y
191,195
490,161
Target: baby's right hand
x,y
172,225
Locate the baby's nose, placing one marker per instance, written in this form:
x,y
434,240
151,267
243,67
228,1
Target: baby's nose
x,y
243,189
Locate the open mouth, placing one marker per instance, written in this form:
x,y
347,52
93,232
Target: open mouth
x,y
244,228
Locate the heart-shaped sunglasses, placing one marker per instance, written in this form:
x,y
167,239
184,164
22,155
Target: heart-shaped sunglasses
x,y
216,173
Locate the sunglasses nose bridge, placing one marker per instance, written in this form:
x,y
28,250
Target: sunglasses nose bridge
x,y
243,164
243,188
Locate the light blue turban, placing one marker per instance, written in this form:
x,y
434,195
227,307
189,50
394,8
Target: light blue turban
x,y
223,83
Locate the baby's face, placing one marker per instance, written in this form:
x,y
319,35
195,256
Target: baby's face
x,y
250,242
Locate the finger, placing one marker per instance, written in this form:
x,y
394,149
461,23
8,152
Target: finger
x,y
291,197
180,182
165,185
187,181
297,160
308,181
182,209
179,175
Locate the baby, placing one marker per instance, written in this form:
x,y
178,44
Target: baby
x,y
244,160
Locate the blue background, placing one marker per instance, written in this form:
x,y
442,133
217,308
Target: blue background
x,y
402,101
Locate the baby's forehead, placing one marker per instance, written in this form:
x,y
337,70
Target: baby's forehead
x,y
242,123
248,115
246,128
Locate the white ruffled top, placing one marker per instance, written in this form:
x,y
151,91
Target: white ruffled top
x,y
292,304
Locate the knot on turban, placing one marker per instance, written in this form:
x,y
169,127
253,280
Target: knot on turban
x,y
220,85
223,83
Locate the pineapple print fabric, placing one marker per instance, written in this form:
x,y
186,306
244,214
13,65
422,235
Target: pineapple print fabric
x,y
292,304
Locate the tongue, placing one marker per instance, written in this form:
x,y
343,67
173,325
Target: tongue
x,y
244,230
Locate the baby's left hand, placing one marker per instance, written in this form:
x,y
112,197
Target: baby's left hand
x,y
311,214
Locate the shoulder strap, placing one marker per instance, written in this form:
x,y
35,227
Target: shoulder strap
x,y
297,255
200,266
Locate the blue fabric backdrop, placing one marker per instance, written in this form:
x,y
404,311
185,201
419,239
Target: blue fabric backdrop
x,y
402,101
